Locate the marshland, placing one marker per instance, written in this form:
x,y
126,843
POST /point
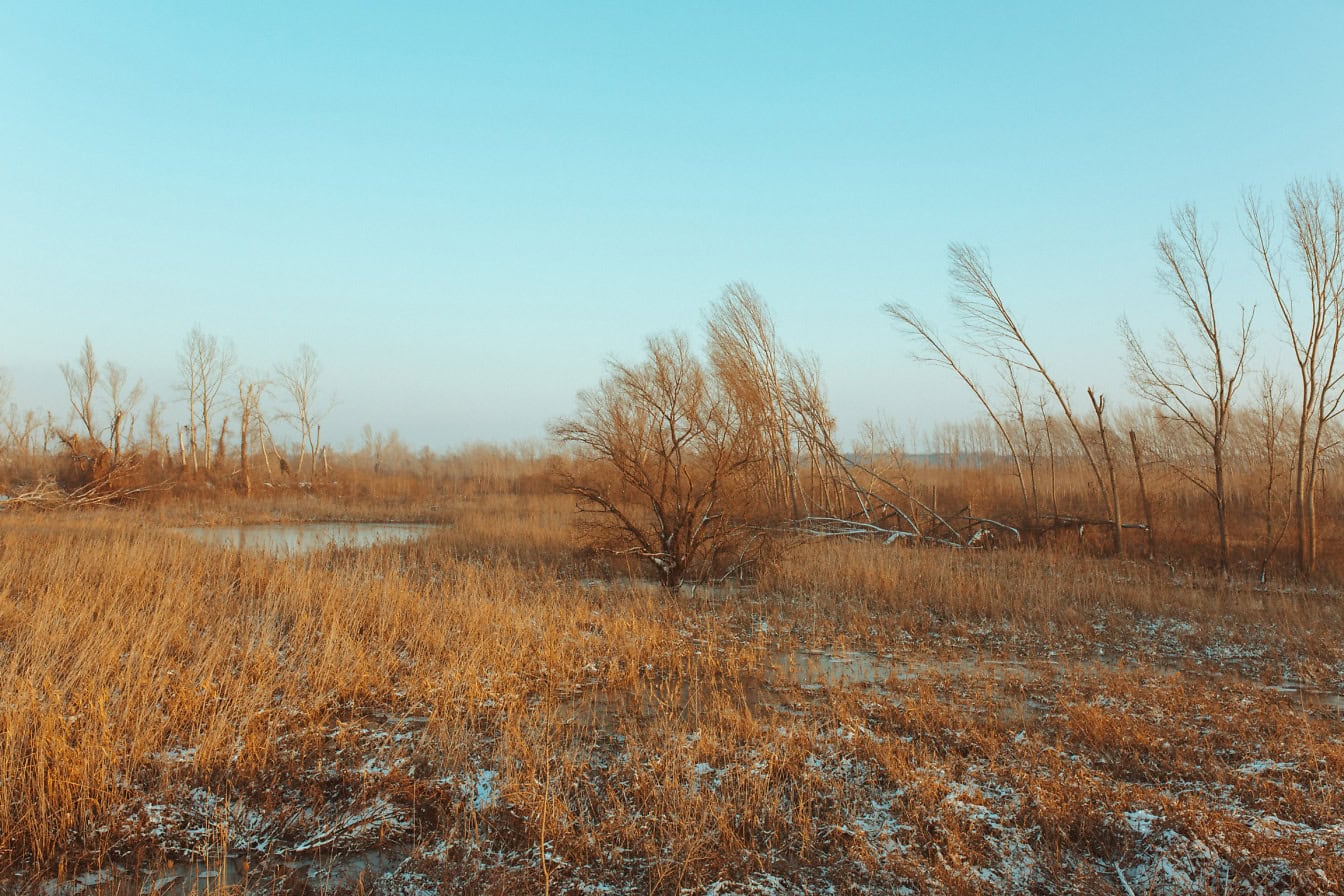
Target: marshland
x,y
740,450
484,707
689,644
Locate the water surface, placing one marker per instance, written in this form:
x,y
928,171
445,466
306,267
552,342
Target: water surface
x,y
303,538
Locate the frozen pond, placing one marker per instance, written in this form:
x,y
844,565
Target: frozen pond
x,y
302,538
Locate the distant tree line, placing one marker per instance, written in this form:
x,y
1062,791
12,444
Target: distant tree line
x,y
113,434
703,458
697,463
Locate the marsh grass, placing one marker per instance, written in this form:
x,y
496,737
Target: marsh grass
x,y
516,718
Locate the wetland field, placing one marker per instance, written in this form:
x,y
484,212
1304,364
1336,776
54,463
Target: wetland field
x,y
469,706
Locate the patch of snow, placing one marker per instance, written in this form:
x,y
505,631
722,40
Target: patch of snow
x,y
179,755
1260,766
1141,821
759,884
484,791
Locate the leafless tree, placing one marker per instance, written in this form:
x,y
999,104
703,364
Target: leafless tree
x,y
154,435
1308,291
1193,380
777,396
250,392
299,380
659,461
81,384
749,363
993,330
18,431
122,400
934,349
204,365
1270,455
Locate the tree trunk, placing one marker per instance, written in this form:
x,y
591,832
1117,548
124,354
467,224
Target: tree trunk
x,y
1117,530
265,455
220,453
243,421
1220,502
1143,495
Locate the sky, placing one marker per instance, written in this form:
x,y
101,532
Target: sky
x,y
467,209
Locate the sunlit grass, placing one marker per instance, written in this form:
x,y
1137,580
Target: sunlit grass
x,y
483,699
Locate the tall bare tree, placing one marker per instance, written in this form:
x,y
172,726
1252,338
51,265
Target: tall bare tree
x,y
299,380
18,430
935,350
250,392
81,384
1270,457
778,398
154,436
751,366
204,365
1194,378
1308,290
993,330
122,400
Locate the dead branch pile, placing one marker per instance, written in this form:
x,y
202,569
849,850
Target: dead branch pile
x,y
48,495
92,476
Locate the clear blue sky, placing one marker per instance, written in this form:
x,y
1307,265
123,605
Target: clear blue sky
x,y
466,208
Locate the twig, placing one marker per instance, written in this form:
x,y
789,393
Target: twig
x,y
1124,883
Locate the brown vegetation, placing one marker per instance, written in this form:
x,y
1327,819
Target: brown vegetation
x,y
499,719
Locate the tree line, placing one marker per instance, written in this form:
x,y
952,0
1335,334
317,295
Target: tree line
x,y
703,460
112,430
697,463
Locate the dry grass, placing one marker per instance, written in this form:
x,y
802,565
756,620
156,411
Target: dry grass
x,y
498,717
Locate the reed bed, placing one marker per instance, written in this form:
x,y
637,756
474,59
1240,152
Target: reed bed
x,y
488,712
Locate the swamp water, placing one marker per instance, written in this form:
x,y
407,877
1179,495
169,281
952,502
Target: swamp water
x,y
303,538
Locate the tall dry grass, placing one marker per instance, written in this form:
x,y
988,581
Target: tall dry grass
x,y
154,687
122,643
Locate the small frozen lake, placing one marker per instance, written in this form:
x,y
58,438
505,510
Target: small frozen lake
x,y
303,538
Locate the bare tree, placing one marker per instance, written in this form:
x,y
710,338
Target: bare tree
x,y
250,392
778,398
299,380
1310,301
993,330
154,435
1270,457
1195,378
935,350
122,400
18,430
660,456
204,365
81,384
750,364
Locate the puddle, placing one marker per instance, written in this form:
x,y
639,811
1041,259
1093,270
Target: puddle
x,y
249,874
303,538
1308,697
